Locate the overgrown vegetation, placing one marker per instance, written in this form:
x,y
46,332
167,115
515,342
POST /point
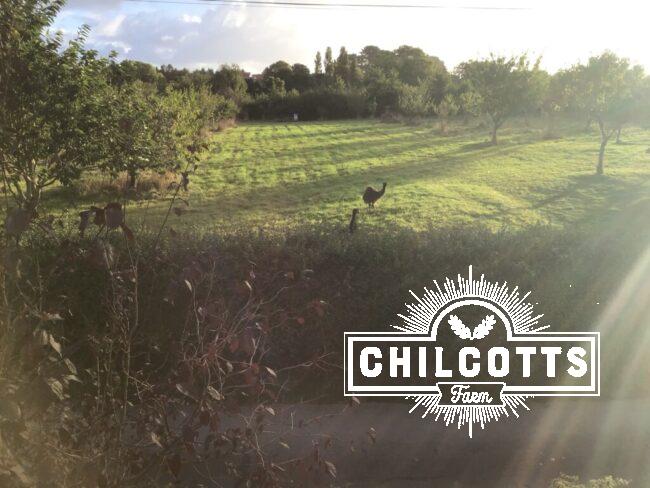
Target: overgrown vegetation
x,y
144,350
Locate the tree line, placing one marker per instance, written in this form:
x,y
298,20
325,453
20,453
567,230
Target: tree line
x,y
66,109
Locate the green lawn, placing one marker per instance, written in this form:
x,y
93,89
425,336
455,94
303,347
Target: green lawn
x,y
264,174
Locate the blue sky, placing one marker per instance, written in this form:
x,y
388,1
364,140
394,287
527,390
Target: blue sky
x,y
192,36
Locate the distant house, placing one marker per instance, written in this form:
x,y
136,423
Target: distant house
x,y
249,76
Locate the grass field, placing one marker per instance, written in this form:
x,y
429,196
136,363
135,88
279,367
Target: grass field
x,y
273,174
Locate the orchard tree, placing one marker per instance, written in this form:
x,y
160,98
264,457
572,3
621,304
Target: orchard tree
x,y
158,132
558,97
52,101
608,90
140,134
505,87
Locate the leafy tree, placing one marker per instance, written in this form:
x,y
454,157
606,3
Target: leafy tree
x,y
300,78
129,71
141,134
157,132
374,58
274,86
444,109
329,62
229,81
280,70
415,66
318,64
607,89
52,100
505,86
414,101
384,90
355,75
342,67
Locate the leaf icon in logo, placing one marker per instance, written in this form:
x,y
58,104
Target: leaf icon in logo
x,y
479,332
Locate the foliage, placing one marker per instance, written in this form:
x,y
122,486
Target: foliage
x,y
141,135
444,109
611,92
158,132
506,87
229,82
567,481
414,101
316,104
52,100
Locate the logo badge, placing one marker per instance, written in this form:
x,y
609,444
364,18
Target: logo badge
x,y
470,352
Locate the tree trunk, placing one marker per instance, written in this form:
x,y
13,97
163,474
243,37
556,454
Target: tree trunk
x,y
132,179
604,138
618,135
601,157
494,135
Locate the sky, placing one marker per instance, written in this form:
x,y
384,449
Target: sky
x,y
197,33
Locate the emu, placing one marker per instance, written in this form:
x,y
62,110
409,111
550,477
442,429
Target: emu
x,y
370,196
353,221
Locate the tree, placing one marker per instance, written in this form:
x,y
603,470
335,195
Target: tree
x,y
300,78
139,134
444,109
557,96
384,90
413,101
318,64
504,86
157,132
129,71
415,66
280,70
229,81
342,67
52,100
607,90
329,62
274,86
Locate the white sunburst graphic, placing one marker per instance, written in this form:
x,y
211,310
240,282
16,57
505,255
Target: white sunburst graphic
x,y
420,317
492,355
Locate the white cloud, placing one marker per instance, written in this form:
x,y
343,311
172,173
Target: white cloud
x,y
191,19
192,36
110,28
